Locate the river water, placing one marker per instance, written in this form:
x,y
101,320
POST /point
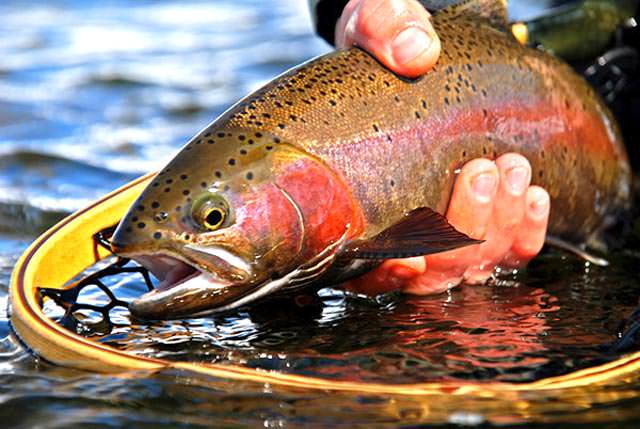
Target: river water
x,y
94,94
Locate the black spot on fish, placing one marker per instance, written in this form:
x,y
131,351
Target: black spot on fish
x,y
156,184
249,175
183,176
218,174
167,189
276,140
375,128
243,152
155,204
140,208
251,141
186,192
232,161
268,147
157,235
134,219
281,126
241,137
141,225
220,134
168,181
210,141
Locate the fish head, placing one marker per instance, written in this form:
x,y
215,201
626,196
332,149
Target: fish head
x,y
224,221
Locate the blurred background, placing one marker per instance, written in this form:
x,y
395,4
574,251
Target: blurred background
x,y
94,93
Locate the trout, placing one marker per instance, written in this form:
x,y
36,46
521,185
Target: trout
x,y
339,164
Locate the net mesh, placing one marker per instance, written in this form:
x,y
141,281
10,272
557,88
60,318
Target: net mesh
x,y
67,299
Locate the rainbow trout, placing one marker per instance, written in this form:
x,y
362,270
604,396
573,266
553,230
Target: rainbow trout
x,y
339,164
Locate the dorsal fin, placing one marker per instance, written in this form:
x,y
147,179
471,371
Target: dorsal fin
x,y
494,11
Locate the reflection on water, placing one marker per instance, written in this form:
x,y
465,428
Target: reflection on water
x,y
559,318
93,94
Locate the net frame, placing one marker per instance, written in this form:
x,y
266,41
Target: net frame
x,y
69,247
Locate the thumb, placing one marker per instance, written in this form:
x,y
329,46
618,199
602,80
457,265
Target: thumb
x,y
397,32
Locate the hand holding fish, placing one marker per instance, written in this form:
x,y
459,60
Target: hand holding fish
x,y
491,200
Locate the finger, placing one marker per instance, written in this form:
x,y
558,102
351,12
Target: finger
x,y
532,231
390,275
508,212
397,32
469,211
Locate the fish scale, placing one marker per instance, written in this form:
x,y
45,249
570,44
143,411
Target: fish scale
x,y
340,153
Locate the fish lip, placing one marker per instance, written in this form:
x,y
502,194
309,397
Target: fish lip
x,y
180,279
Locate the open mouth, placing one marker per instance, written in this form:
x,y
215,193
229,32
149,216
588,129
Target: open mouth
x,y
168,270
185,291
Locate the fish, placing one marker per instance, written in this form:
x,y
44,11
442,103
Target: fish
x,y
339,164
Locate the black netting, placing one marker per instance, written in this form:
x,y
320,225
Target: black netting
x,y
68,299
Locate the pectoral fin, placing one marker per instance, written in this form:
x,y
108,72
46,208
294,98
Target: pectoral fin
x,y
421,232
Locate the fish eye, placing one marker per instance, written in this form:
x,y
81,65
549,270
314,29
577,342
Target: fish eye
x,y
210,212
214,217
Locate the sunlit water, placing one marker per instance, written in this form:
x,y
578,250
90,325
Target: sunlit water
x,y
92,94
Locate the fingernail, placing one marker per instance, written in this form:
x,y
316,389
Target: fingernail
x,y
410,44
539,207
484,186
517,179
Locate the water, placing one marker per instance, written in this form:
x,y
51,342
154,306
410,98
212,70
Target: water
x,y
93,94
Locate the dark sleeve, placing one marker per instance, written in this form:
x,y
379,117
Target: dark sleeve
x,y
325,14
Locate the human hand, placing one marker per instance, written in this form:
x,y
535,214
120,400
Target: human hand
x,y
491,201
397,32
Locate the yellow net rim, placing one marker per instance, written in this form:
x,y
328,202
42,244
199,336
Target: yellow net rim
x,y
67,248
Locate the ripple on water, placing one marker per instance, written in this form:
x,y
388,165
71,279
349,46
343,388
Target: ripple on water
x,y
512,331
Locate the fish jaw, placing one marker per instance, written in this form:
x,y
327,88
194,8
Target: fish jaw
x,y
184,290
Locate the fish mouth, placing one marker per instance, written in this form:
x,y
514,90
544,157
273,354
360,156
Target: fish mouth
x,y
184,290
